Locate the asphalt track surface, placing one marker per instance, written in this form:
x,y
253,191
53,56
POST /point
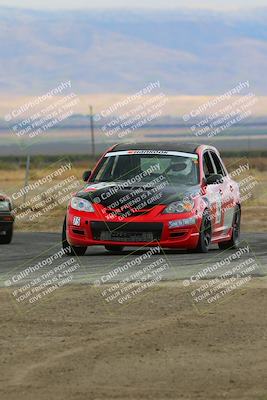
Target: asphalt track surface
x,y
29,249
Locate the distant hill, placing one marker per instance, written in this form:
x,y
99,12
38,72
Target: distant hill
x,y
106,52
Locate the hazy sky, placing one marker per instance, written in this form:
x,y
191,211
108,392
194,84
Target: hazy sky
x,y
152,4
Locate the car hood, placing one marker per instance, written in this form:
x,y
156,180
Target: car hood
x,y
108,193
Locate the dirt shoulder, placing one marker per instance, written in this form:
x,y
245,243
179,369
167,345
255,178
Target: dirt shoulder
x,y
72,347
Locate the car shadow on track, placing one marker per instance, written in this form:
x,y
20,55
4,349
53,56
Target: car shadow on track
x,y
133,251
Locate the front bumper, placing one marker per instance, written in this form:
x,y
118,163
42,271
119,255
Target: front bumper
x,y
152,229
6,222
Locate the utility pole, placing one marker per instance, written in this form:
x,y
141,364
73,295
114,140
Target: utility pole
x,y
92,132
27,175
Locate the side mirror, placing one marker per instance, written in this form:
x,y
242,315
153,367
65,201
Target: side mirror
x,y
214,179
86,175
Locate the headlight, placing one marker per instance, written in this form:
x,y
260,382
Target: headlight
x,y
81,204
4,205
179,207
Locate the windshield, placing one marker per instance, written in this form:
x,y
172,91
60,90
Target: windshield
x,y
177,168
4,205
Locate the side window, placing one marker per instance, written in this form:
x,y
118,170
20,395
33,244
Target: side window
x,y
207,165
219,167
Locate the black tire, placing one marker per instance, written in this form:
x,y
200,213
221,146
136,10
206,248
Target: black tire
x,y
71,250
114,249
7,238
233,243
204,234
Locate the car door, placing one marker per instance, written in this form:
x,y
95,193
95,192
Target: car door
x,y
225,196
214,194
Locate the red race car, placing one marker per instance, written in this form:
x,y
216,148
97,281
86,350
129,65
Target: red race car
x,y
6,220
148,194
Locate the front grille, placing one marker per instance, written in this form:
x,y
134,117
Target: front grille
x,y
130,232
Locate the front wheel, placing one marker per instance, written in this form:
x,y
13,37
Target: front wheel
x,y
233,243
68,249
204,234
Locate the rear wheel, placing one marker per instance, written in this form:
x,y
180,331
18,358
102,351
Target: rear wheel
x,y
114,249
6,239
204,234
71,250
233,243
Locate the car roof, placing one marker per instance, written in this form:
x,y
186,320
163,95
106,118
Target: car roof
x,y
165,146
